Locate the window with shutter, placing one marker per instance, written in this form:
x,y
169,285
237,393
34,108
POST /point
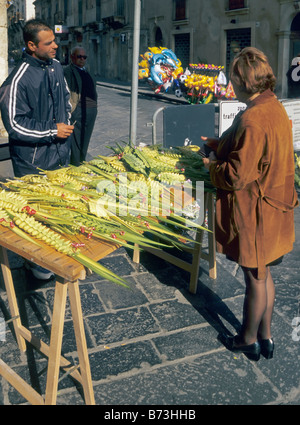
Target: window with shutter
x,y
236,4
180,10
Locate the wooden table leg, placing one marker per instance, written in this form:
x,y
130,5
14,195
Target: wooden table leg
x,y
54,362
11,296
211,237
84,363
136,254
196,254
20,385
57,327
53,352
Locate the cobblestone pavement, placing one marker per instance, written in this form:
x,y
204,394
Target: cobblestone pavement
x,y
113,121
157,344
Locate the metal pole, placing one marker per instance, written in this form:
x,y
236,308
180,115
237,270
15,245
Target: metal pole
x,y
135,70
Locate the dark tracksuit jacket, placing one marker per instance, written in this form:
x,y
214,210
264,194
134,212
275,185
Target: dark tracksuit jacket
x,y
33,98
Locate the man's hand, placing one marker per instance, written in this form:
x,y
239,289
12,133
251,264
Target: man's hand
x,y
64,130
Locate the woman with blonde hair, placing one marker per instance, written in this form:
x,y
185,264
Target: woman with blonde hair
x,y
253,171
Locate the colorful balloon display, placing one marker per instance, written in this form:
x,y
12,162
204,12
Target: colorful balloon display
x,y
160,66
164,72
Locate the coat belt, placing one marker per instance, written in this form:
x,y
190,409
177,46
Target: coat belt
x,y
259,236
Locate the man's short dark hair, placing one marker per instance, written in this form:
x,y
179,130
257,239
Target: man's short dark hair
x,y
32,28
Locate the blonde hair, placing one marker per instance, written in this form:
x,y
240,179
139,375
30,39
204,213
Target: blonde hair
x,y
251,71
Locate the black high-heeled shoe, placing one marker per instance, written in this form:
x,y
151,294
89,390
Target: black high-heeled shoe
x,y
252,351
267,348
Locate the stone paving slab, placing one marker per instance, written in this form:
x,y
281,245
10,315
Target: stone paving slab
x,y
192,382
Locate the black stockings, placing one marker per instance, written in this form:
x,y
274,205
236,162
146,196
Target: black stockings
x,y
258,307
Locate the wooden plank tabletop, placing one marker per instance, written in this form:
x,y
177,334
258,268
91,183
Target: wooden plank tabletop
x,y
48,257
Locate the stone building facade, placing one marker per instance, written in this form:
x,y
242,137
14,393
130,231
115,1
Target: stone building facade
x,y
198,31
18,11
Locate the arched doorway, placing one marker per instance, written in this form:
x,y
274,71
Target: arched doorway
x,y
288,44
158,38
295,37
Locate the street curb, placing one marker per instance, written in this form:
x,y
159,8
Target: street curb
x,y
144,92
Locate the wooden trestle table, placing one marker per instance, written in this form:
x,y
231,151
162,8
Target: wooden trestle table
x,y
68,272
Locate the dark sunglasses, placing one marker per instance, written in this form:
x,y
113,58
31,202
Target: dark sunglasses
x,y
81,57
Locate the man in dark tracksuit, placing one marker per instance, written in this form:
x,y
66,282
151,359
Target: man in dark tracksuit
x,y
35,105
84,104
36,110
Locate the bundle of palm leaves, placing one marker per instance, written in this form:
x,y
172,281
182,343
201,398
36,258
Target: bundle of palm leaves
x,y
128,199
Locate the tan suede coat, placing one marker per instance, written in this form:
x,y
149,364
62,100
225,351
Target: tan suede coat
x,y
254,176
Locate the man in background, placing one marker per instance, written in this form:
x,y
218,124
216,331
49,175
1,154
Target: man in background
x,y
84,104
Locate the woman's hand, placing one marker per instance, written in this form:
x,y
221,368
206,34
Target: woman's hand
x,y
207,161
211,142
